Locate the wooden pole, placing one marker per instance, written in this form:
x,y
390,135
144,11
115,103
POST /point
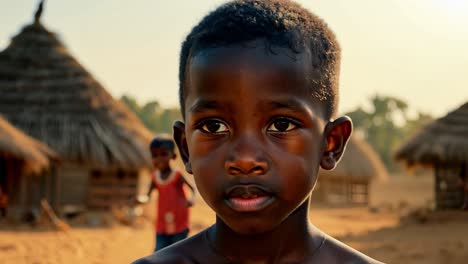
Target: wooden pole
x,y
48,180
58,190
23,186
56,221
38,13
437,186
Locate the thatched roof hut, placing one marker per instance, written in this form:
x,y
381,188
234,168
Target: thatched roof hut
x,y
45,92
21,156
14,144
349,181
442,145
48,94
442,141
359,162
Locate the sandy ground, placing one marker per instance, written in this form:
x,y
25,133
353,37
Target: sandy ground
x,y
387,231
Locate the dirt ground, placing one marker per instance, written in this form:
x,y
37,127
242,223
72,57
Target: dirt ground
x,y
391,230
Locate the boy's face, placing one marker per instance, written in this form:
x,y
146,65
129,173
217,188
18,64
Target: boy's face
x,y
161,158
253,137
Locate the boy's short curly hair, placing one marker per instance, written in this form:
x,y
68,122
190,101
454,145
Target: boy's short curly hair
x,y
162,143
281,23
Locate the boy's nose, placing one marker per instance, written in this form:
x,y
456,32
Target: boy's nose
x,y
246,167
246,158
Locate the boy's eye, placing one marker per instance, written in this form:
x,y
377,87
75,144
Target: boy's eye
x,y
281,125
214,126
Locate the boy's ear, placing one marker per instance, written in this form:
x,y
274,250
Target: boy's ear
x,y
181,141
337,134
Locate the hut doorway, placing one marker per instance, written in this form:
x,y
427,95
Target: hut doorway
x,y
10,180
448,190
3,189
21,192
3,175
72,180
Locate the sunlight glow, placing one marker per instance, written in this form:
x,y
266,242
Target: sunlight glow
x,y
452,6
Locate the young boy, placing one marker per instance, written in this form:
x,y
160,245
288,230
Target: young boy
x,y
173,215
258,91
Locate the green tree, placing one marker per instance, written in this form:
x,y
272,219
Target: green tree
x,y
167,118
386,125
152,115
149,115
131,103
413,125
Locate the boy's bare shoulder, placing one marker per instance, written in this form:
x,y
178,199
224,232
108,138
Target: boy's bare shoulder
x,y
167,258
189,251
334,251
195,250
178,253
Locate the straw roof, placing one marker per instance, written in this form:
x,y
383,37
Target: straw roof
x,y
442,141
359,162
46,93
14,144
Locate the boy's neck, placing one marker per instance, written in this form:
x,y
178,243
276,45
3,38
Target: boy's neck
x,y
165,172
291,241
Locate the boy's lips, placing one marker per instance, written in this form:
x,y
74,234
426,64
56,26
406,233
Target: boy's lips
x,y
248,198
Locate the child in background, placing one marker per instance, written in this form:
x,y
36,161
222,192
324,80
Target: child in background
x,y
172,223
258,94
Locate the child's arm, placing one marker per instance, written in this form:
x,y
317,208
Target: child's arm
x,y
191,201
142,199
151,188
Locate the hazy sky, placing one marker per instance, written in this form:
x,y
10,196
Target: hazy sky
x,y
413,49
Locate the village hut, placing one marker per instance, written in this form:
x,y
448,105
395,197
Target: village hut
x,y
443,146
49,95
22,157
31,155
349,182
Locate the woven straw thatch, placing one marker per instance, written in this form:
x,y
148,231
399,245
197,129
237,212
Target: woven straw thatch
x,y
445,140
14,144
359,162
46,93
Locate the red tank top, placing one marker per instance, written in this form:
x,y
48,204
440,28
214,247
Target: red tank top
x,y
172,204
